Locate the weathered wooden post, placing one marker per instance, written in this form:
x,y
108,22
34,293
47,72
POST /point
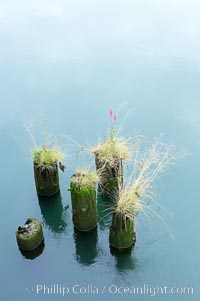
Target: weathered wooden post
x,y
122,232
46,175
111,175
83,196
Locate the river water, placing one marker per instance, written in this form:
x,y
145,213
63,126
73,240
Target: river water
x,y
73,61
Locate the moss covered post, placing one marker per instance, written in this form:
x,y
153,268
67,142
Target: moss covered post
x,y
122,234
33,253
84,207
30,236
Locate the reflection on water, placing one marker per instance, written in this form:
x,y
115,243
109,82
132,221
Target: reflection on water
x,y
53,212
34,253
105,208
86,246
124,259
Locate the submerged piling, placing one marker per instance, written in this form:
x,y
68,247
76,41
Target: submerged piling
x,y
33,254
30,236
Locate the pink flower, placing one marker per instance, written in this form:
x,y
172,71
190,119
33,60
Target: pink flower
x,y
115,118
111,113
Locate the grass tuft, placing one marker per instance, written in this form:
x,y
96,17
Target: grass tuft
x,y
48,154
115,148
84,178
46,158
148,166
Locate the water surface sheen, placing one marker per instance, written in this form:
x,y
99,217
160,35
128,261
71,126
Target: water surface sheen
x,y
73,60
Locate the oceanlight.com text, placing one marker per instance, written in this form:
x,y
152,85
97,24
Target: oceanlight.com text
x,y
111,289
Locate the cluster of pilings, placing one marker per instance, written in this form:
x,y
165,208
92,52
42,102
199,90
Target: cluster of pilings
x,y
84,204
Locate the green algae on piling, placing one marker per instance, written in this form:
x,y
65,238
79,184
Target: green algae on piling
x,y
122,233
83,197
33,254
30,236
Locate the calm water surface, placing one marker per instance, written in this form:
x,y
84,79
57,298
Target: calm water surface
x,y
73,60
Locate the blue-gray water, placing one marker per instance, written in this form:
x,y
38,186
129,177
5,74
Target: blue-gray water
x,y
73,60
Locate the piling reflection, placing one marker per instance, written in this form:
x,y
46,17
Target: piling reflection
x,y
124,259
34,253
53,212
105,209
86,246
